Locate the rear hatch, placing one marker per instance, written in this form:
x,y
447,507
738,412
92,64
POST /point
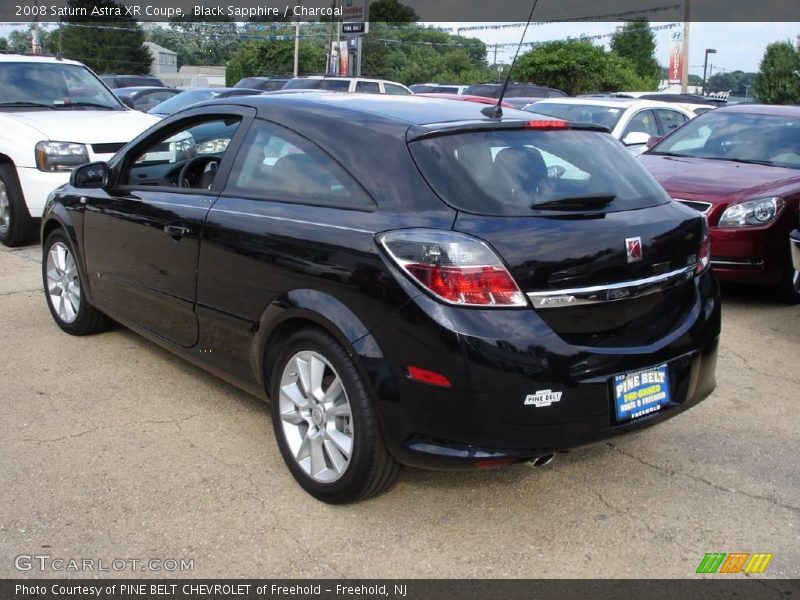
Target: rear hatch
x,y
603,254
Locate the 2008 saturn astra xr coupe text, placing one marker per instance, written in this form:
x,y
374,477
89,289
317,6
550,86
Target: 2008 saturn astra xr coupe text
x,y
407,280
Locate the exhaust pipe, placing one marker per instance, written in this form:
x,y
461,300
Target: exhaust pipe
x,y
542,461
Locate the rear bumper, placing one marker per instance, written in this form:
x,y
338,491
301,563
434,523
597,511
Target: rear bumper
x,y
794,243
495,359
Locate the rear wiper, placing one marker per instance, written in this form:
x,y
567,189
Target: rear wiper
x,y
25,103
577,202
85,104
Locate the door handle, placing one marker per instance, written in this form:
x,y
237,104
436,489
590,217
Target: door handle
x,y
176,232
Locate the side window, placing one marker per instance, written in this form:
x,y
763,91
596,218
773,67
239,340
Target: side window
x,y
398,90
368,87
187,158
670,119
276,164
147,101
642,122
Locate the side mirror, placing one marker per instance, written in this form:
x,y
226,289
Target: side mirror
x,y
653,140
635,138
92,175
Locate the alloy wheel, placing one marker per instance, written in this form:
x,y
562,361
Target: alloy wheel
x,y
63,282
5,209
316,417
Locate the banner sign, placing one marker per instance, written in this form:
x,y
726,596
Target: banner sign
x,y
676,65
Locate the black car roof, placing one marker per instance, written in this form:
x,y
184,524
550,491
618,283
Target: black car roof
x,y
406,109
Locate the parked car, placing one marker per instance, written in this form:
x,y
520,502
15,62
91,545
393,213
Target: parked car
x,y
188,97
740,166
466,98
54,115
123,81
348,84
265,84
514,89
437,88
415,290
633,122
146,97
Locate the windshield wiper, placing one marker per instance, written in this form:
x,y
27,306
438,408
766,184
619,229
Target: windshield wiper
x,y
86,104
577,202
747,161
672,154
26,104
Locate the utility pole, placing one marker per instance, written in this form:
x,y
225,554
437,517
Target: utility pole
x,y
296,42
685,52
36,46
494,63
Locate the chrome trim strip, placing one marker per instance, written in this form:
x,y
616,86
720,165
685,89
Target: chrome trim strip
x,y
737,263
689,203
298,221
613,292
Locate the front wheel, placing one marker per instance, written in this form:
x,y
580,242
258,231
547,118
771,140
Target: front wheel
x,y
16,225
324,423
788,289
64,290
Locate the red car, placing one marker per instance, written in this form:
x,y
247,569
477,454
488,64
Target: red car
x,y
466,98
740,166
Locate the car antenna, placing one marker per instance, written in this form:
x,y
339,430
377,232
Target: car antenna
x,y
496,111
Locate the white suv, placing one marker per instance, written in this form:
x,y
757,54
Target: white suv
x,y
54,115
335,83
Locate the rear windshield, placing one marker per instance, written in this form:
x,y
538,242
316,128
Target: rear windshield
x,y
335,85
505,172
607,116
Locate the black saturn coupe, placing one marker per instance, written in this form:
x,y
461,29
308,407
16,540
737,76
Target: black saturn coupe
x,y
407,280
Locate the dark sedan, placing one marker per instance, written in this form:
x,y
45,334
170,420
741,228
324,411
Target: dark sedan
x,y
740,166
433,287
144,98
189,97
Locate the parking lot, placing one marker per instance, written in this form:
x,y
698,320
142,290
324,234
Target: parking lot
x,y
113,448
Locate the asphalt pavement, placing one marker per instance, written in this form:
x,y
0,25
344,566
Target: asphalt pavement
x,y
113,449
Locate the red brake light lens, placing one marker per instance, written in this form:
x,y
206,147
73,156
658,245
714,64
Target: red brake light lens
x,y
546,124
454,267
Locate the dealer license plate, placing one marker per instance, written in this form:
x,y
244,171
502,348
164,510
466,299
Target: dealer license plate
x,y
641,393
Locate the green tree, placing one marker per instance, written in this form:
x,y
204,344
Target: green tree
x,y
272,57
103,45
4,44
637,42
577,67
778,79
737,83
391,11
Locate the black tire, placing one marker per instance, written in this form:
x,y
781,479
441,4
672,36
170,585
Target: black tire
x,y
88,319
371,470
788,289
17,228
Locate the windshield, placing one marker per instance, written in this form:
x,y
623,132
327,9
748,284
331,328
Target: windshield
x,y
507,172
53,85
181,101
606,116
336,85
738,137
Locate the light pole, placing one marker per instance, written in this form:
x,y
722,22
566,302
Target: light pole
x,y
705,67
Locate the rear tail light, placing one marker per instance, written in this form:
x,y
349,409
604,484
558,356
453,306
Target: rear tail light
x,y
454,267
704,254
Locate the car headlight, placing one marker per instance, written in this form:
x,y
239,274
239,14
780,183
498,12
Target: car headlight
x,y
60,156
752,212
213,146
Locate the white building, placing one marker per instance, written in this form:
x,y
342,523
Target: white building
x,y
165,61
